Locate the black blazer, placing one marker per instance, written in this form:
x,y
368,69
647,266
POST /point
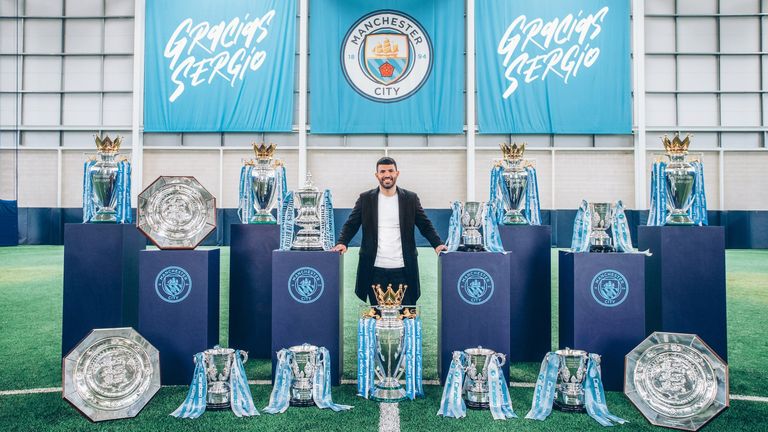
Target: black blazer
x,y
366,213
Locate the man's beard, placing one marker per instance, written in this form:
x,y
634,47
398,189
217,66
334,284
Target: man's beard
x,y
390,186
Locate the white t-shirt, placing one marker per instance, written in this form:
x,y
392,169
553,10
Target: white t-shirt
x,y
389,253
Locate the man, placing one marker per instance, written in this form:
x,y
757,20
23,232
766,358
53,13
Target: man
x,y
388,254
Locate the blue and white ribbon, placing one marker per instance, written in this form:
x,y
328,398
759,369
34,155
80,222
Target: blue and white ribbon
x,y
659,208
622,239
498,392
366,354
412,346
327,226
280,397
454,228
282,190
491,236
242,400
582,228
532,210
194,404
245,208
88,204
544,393
287,222
497,191
594,400
321,382
452,403
699,207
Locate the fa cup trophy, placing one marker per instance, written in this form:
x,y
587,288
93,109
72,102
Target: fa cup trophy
x,y
569,390
472,214
308,201
103,176
515,182
264,180
476,391
602,217
680,181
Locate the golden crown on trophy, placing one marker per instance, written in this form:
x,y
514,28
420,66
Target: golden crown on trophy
x,y
107,145
676,146
513,151
264,151
389,298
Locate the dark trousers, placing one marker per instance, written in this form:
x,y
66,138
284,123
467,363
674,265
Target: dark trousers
x,y
385,277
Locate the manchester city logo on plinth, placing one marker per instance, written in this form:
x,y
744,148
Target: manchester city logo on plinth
x,y
386,56
173,284
306,285
609,288
475,286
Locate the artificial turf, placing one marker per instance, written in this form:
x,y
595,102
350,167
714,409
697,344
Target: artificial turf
x,y
30,329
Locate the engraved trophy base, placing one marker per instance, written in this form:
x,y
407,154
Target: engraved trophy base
x,y
218,401
307,240
110,216
301,398
680,218
476,400
569,408
477,405
388,394
601,243
471,248
217,407
514,217
263,219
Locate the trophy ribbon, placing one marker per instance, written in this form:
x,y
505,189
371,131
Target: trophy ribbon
x,y
452,403
281,392
327,226
491,236
595,395
321,383
194,404
123,189
454,227
287,222
412,346
242,400
581,229
245,204
282,191
366,353
498,392
658,208
532,210
544,394
699,207
88,205
497,191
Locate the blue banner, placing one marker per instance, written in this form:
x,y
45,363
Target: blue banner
x,y
555,66
387,66
219,66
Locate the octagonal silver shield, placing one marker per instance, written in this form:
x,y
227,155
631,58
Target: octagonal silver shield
x,y
111,374
676,380
176,212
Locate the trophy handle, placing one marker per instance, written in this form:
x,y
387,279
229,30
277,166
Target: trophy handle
x,y
502,359
244,354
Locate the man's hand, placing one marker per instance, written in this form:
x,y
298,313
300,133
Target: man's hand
x,y
441,248
340,248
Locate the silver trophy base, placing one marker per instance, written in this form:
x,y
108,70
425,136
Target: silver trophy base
x,y
390,392
681,218
307,244
575,408
105,216
601,243
514,217
471,248
477,401
263,219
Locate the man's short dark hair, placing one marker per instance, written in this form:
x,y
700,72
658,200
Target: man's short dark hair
x,y
386,160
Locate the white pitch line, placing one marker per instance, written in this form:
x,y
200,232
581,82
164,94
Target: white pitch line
x,y
30,391
389,417
750,398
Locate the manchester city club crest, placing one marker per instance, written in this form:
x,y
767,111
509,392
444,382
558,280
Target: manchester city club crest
x,y
173,284
475,286
609,288
306,285
386,56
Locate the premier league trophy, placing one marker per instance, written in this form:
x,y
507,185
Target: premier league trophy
x,y
264,180
602,218
389,344
303,367
103,176
680,181
569,390
475,388
472,214
218,367
515,182
308,201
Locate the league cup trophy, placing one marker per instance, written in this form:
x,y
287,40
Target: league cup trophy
x,y
680,181
389,344
218,367
103,176
303,367
475,389
472,214
264,184
515,182
569,390
308,202
602,217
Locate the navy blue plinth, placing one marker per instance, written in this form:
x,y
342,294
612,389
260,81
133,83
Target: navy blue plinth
x,y
250,287
529,247
180,325
600,313
101,266
686,282
307,303
469,311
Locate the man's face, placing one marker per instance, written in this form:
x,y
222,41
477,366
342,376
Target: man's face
x,y
387,175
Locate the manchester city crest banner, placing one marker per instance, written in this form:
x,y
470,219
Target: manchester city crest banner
x,y
219,66
386,66
554,66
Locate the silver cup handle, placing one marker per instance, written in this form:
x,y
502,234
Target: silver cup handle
x,y
244,354
502,358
